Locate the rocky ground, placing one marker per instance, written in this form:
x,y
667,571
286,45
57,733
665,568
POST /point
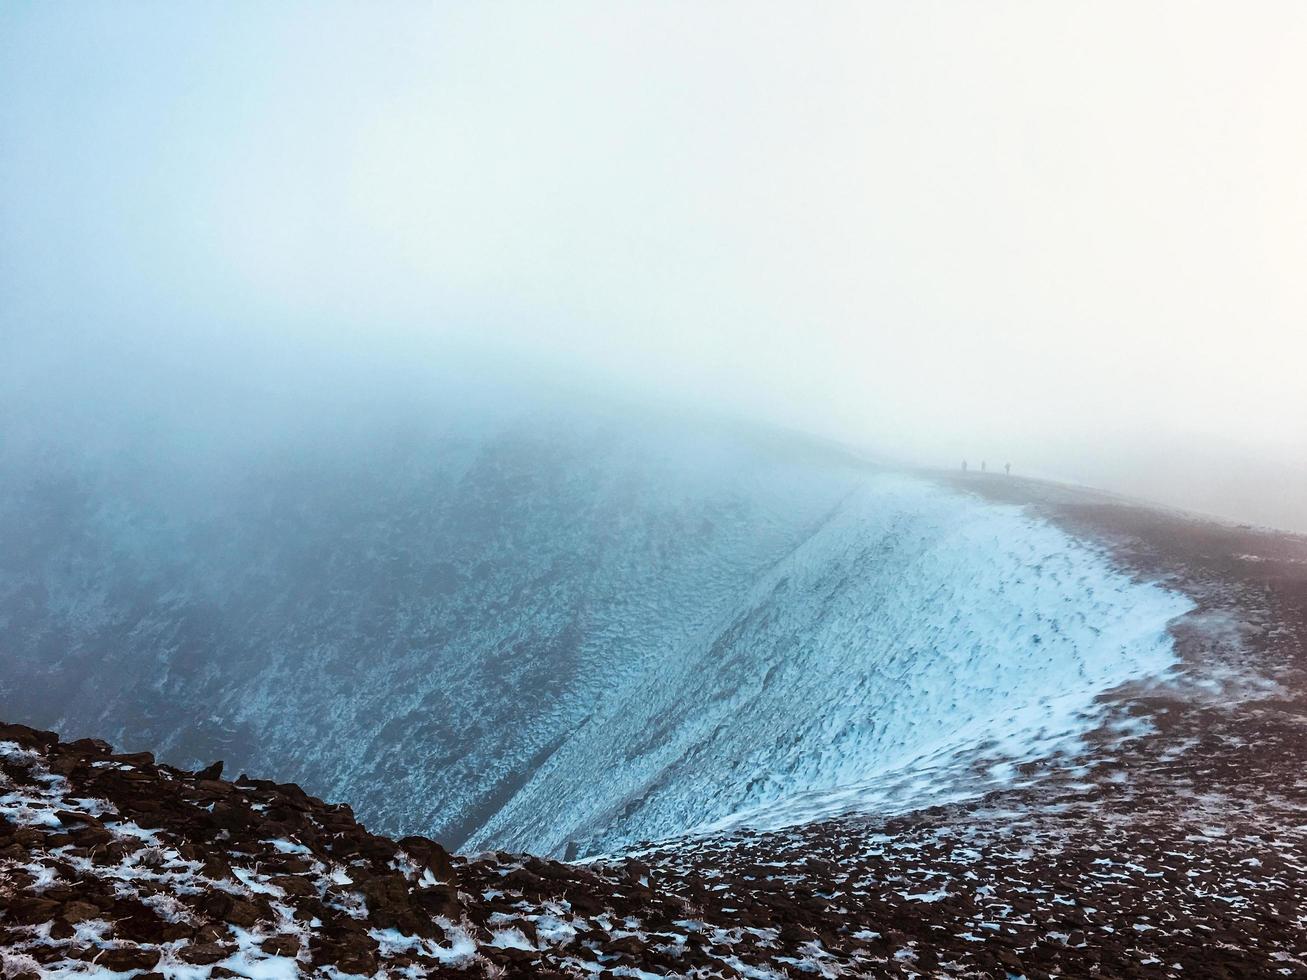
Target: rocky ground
x,y
1175,845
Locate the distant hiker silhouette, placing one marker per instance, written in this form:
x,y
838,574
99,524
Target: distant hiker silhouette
x,y
1007,468
982,466
964,466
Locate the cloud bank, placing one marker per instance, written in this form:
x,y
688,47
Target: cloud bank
x,y
1067,235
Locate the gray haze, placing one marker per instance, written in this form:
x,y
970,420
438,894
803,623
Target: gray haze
x,y
1068,235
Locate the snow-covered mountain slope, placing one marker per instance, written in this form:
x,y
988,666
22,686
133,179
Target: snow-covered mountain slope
x,y
913,633
552,632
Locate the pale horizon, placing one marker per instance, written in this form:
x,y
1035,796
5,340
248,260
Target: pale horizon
x,y
1069,237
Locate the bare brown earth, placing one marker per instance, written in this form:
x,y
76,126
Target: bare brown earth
x,y
1174,846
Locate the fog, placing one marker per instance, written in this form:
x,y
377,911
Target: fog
x,y
1069,236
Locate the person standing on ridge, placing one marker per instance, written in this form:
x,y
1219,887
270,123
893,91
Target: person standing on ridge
x,y
982,466
1007,469
964,466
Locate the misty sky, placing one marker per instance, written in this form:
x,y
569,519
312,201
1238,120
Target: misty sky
x,y
1073,235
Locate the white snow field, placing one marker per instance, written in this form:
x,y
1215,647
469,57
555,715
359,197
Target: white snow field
x,y
560,636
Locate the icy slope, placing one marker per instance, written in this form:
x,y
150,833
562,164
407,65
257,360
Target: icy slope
x,y
545,630
913,629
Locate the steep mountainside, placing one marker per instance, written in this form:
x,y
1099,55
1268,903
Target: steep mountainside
x,y
559,635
